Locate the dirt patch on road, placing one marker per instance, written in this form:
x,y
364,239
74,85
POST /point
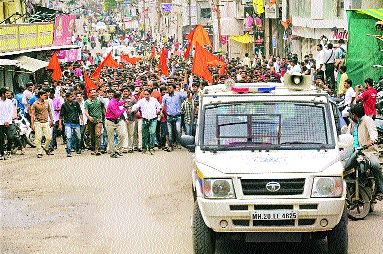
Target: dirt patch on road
x,y
39,215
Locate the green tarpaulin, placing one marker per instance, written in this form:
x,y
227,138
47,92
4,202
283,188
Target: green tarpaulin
x,y
363,50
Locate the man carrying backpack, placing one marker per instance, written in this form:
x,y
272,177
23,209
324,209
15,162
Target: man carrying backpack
x,y
340,54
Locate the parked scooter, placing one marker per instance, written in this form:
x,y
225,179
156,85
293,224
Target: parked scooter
x,y
24,130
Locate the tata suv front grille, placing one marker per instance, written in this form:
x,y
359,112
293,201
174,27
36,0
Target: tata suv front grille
x,y
273,187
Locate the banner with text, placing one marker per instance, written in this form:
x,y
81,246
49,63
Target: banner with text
x,y
63,29
25,36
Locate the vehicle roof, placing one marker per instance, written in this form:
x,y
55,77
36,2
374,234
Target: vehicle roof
x,y
281,93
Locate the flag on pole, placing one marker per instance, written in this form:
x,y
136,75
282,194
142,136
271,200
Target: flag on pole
x,y
200,62
89,84
198,35
108,61
131,60
55,66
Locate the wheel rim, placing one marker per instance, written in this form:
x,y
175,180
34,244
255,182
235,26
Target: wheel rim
x,y
357,209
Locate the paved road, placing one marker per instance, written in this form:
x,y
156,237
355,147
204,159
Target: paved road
x,y
134,204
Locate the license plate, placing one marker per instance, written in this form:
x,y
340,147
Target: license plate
x,y
274,215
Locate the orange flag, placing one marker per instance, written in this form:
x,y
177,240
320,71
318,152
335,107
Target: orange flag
x,y
132,60
163,65
55,66
200,62
153,54
89,84
108,61
198,35
214,63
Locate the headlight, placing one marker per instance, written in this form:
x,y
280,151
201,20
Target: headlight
x,y
327,187
218,188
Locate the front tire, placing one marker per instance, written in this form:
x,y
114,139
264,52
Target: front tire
x,y
203,237
357,210
337,238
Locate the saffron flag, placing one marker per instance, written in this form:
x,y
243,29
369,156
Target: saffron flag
x,y
200,62
131,60
198,35
108,61
55,66
153,54
89,84
214,63
163,65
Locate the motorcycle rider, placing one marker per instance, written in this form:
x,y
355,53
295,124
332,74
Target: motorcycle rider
x,y
364,131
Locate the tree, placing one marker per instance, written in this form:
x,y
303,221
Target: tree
x,y
110,4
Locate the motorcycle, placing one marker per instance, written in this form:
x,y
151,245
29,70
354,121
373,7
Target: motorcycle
x,y
361,188
24,130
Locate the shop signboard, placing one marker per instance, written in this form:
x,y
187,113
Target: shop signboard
x,y
167,8
68,56
45,34
28,36
9,38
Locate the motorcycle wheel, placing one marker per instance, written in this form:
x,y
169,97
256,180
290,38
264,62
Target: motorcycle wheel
x,y
31,140
357,210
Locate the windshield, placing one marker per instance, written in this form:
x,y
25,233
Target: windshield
x,y
265,125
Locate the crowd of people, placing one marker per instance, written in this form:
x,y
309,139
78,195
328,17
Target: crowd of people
x,y
137,108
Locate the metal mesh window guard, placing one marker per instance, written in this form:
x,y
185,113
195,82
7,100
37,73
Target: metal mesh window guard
x,y
278,124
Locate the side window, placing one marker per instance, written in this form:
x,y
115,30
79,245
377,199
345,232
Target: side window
x,y
337,116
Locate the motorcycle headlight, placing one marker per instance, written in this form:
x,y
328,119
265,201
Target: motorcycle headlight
x,y
327,187
218,188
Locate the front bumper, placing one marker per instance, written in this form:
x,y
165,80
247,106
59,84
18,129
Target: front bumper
x,y
237,214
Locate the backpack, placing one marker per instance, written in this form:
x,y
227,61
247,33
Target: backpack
x,y
343,55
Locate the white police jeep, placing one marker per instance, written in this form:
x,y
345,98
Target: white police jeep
x,y
267,167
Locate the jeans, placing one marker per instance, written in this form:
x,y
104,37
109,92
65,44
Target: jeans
x,y
41,128
5,130
174,128
148,133
73,136
377,172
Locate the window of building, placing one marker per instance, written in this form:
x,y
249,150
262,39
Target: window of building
x,y
206,13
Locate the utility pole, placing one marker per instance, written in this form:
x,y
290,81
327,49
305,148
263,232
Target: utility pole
x,y
216,9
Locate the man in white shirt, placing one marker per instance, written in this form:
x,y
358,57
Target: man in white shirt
x,y
27,95
246,60
150,108
7,114
349,98
295,67
319,61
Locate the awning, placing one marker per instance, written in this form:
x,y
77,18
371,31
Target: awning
x,y
376,13
246,38
31,64
8,62
19,52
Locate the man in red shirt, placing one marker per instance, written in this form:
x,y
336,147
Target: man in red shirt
x,y
368,97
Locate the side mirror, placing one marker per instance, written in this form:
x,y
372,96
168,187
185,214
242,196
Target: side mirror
x,y
188,142
345,141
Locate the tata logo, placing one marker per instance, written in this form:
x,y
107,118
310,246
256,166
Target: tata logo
x,y
273,186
